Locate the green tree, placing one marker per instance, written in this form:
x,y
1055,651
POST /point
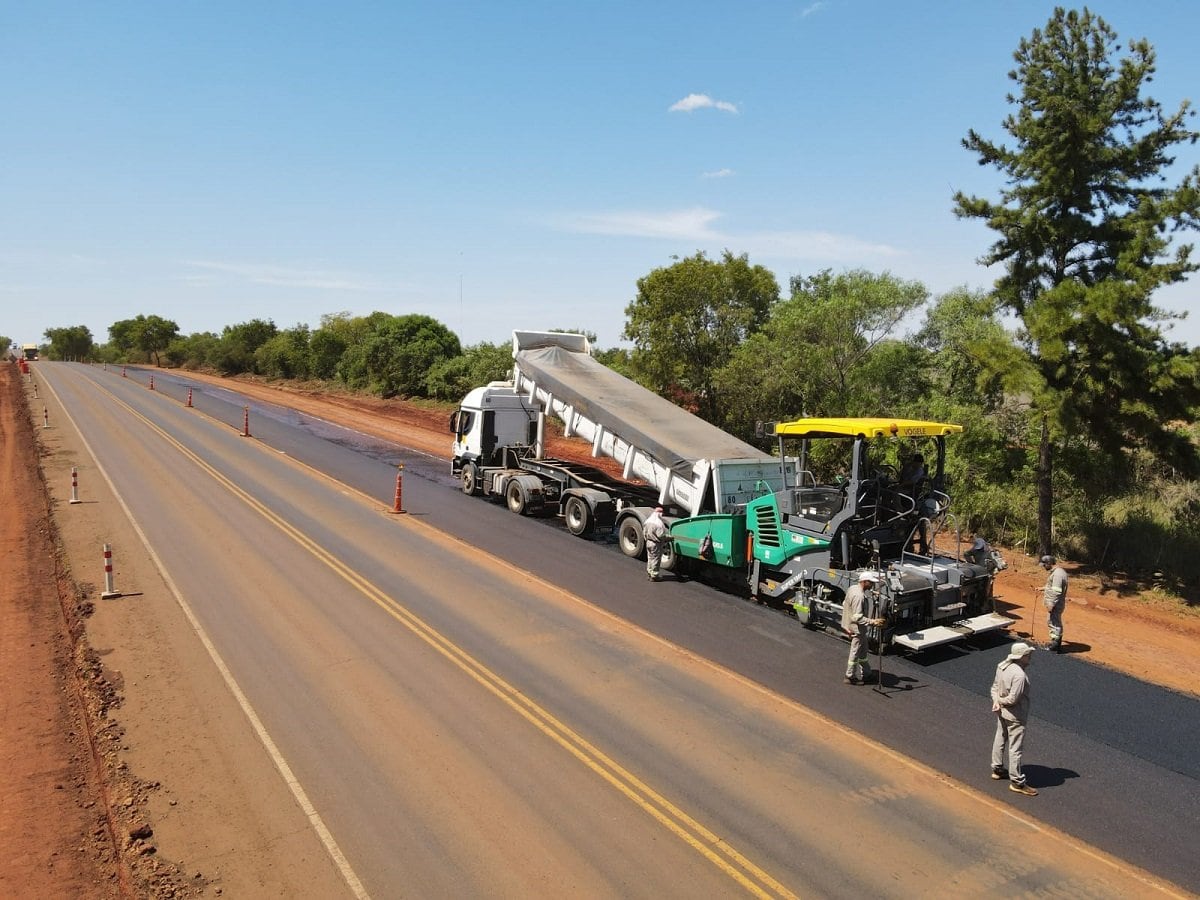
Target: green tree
x,y
286,355
390,354
155,334
235,351
828,350
478,364
1085,226
325,349
401,351
354,331
194,351
6,346
148,334
961,332
74,342
687,320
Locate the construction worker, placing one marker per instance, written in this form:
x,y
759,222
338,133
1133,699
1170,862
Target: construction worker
x,y
655,532
855,623
1054,597
1010,703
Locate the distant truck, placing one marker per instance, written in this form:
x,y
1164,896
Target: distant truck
x,y
29,352
793,529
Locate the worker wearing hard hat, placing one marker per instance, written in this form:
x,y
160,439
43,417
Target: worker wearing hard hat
x,y
1010,703
855,623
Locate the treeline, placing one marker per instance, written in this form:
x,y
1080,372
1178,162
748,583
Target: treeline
x,y
410,356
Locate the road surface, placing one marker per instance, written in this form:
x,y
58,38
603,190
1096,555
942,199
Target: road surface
x,y
460,701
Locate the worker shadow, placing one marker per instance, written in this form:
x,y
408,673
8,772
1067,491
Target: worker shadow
x,y
1073,647
894,684
1047,776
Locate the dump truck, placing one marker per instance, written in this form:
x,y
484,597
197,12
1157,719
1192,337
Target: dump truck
x,y
669,457
792,528
29,352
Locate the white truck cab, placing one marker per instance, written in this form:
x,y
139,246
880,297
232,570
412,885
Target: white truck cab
x,y
490,417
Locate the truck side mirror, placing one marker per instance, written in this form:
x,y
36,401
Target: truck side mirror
x,y
454,416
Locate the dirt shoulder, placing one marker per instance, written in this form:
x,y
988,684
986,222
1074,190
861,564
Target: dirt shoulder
x,y
1122,629
71,820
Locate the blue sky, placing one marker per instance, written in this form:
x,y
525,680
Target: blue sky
x,y
497,165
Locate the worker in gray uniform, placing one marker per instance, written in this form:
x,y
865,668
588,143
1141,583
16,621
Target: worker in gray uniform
x,y
655,533
1054,597
855,622
1010,703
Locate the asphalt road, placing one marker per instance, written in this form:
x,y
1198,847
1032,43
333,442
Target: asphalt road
x,y
1115,758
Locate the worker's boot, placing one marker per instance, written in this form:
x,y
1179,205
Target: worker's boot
x,y
1022,788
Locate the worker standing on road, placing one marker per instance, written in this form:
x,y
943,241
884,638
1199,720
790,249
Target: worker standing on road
x,y
1010,703
855,622
1054,596
655,533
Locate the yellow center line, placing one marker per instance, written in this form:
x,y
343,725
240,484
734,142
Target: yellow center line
x,y
712,847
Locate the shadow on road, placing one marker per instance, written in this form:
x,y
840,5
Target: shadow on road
x,y
1044,776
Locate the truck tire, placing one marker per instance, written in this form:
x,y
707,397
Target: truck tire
x,y
580,521
630,537
669,559
514,494
470,479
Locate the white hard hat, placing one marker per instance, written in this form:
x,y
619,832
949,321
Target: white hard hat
x,y
868,575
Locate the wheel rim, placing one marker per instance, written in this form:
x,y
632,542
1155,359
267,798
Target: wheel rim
x,y
631,540
668,559
579,517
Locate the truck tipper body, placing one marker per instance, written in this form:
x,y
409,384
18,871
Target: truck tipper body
x,y
769,522
668,456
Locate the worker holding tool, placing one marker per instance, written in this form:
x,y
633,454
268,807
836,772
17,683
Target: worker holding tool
x,y
1054,597
855,623
1010,703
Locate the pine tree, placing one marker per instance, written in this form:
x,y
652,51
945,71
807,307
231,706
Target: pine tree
x,y
1086,226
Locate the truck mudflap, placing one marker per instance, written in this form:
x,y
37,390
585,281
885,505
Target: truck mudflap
x,y
956,631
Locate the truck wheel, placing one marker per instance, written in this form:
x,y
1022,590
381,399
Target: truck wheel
x,y
580,521
515,497
630,537
470,479
670,559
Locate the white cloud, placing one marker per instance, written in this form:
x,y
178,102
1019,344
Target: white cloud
x,y
692,224
277,276
692,102
826,246
719,173
813,8
695,225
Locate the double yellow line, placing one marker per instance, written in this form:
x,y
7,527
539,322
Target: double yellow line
x,y
709,845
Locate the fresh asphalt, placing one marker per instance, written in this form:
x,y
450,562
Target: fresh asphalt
x,y
1117,760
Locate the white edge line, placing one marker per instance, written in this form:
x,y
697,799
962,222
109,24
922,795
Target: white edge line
x,y
289,777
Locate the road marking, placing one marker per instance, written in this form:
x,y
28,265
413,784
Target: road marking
x,y
921,768
281,764
709,845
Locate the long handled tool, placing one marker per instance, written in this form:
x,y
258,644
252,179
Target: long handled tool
x,y
879,613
